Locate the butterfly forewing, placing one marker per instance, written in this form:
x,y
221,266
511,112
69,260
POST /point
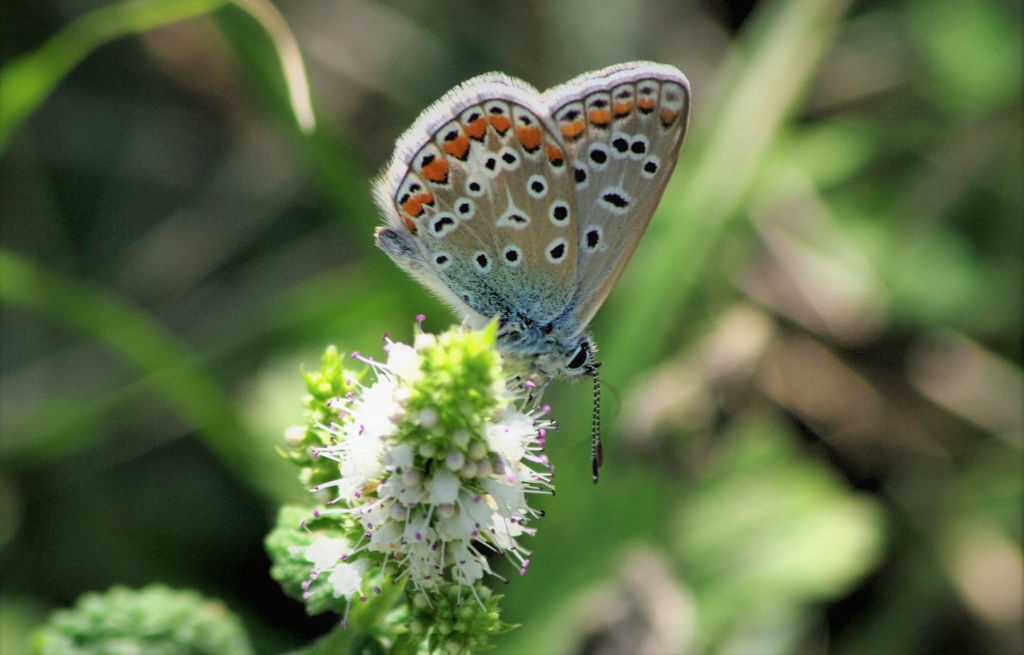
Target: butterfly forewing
x,y
622,127
480,198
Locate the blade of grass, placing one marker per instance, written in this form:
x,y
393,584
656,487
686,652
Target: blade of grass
x,y
335,163
287,48
28,80
172,369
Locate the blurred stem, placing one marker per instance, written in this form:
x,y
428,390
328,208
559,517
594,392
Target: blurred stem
x,y
28,80
172,369
773,62
287,48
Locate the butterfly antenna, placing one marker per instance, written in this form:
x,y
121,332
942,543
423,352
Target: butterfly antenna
x,y
596,452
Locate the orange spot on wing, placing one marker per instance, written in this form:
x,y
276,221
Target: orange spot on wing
x,y
599,117
622,108
457,147
555,154
414,206
573,130
436,171
477,128
501,123
529,136
646,104
668,116
409,225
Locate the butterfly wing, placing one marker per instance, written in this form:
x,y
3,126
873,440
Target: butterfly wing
x,y
480,205
623,127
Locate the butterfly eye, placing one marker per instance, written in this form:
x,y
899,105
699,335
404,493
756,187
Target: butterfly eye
x,y
581,357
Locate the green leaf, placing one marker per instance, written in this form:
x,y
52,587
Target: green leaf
x,y
973,50
286,544
766,531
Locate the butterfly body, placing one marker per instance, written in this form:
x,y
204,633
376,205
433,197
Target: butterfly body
x,y
524,206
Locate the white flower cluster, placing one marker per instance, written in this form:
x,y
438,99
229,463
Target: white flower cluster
x,y
429,501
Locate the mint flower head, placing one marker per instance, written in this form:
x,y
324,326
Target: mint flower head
x,y
425,471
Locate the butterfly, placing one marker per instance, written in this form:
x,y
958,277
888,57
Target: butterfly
x,y
526,206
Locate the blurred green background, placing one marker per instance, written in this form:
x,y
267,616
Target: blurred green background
x,y
813,378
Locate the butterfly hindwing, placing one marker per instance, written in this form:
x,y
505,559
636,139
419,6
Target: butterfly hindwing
x,y
623,127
